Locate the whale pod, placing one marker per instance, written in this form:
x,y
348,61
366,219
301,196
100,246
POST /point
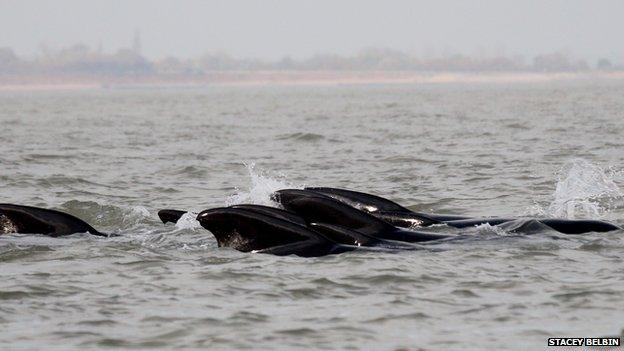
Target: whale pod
x,y
323,221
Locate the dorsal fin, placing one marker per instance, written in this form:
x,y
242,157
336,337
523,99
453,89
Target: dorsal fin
x,y
172,216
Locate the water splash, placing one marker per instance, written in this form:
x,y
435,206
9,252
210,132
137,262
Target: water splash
x,y
487,229
584,190
188,221
260,188
135,214
132,216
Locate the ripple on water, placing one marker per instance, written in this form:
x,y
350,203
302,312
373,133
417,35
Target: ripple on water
x,y
302,137
442,149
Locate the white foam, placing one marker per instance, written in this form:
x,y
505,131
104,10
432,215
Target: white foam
x,y
260,188
488,229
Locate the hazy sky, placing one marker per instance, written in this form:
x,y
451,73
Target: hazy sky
x,y
272,28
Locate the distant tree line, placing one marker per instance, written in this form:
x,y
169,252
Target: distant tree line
x,y
81,59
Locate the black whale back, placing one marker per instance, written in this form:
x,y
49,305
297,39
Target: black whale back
x,y
247,230
34,220
314,208
382,208
322,209
272,211
361,201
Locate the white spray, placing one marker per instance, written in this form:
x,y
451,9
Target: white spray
x,y
260,188
583,190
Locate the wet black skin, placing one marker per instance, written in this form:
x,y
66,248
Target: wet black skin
x,y
314,208
252,231
34,220
274,212
335,233
565,226
170,216
384,209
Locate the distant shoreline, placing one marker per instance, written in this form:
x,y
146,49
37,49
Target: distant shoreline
x,y
277,78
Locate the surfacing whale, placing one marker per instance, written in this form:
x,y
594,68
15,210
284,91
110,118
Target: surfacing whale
x,y
250,231
400,216
262,229
35,220
321,209
383,208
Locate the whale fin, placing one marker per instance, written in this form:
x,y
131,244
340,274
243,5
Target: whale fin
x,y
172,216
250,231
35,220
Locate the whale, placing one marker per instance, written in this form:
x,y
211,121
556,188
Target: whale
x,y
247,230
315,208
336,233
564,226
400,216
272,215
173,216
385,209
263,229
35,220
274,212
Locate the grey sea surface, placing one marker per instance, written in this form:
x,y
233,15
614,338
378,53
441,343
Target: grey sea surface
x,y
115,157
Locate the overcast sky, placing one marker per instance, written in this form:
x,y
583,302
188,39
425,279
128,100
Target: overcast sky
x,y
271,29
